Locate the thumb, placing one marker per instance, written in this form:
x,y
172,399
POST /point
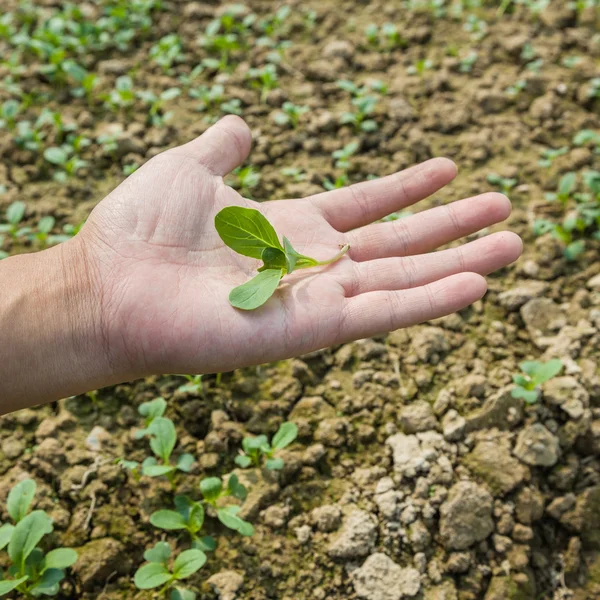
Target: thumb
x,y
222,147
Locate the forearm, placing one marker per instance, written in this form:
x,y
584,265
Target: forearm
x,y
50,329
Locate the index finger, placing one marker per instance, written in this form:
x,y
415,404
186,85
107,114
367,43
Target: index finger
x,y
363,203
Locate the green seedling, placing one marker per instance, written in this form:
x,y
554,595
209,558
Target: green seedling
x,y
586,137
295,173
339,182
343,155
570,62
420,67
594,89
15,214
188,79
194,384
506,184
8,114
566,186
163,439
276,25
162,572
246,179
32,572
223,36
548,155
290,114
212,490
123,96
519,86
249,233
65,159
189,515
209,96
232,107
130,168
264,79
364,107
167,52
257,450
528,384
386,37
156,112
478,28
468,62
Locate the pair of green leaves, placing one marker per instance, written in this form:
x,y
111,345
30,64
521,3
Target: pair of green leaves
x,y
189,514
527,386
259,446
249,233
42,572
163,438
158,572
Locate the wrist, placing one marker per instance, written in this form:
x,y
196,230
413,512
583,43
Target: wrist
x,y
50,322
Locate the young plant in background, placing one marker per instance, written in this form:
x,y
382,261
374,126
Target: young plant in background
x,y
506,184
341,159
189,514
162,572
258,450
248,232
8,114
167,52
32,572
263,79
419,68
163,439
364,107
548,155
157,116
245,180
15,214
534,374
290,114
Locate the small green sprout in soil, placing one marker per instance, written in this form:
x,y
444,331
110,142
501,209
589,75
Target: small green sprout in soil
x,y
8,114
468,62
162,572
506,184
528,384
194,384
189,514
157,116
588,137
364,107
565,189
420,67
245,179
548,155
15,214
263,79
582,218
32,571
386,37
249,233
290,114
163,439
167,52
258,449
295,173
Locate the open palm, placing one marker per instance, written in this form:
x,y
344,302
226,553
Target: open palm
x,y
162,275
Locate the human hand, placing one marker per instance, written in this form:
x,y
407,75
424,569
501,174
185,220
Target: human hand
x,y
160,275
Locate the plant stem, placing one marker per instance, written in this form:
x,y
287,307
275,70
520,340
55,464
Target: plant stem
x,y
337,257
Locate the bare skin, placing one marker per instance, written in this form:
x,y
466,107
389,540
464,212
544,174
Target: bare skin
x,y
143,289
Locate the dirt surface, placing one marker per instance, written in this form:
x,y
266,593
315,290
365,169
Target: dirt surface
x,y
416,473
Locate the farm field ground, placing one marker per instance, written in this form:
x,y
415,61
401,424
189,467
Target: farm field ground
x,y
416,472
